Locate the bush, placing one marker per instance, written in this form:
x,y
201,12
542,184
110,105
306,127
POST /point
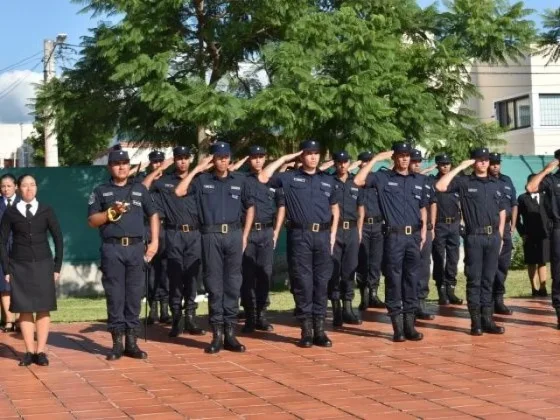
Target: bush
x,y
517,256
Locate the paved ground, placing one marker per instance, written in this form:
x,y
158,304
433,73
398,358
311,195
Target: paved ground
x,y
364,375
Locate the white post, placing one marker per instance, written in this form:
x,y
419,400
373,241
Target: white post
x,y
51,144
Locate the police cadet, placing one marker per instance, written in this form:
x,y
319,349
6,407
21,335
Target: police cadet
x,y
313,213
403,204
484,216
549,183
182,237
447,240
221,196
426,252
510,202
348,236
370,255
118,208
158,284
258,255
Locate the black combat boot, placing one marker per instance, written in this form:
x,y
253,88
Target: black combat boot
x,y
422,312
306,340
217,342
364,298
164,317
177,325
152,317
453,299
230,341
336,313
118,348
320,338
191,326
476,321
348,315
398,328
262,323
410,332
488,324
443,299
250,320
374,301
500,307
131,348
558,318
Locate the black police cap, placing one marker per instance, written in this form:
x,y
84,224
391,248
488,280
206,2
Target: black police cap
x,y
365,156
443,159
118,156
310,146
156,156
220,148
495,157
341,156
480,152
416,155
257,150
181,151
401,147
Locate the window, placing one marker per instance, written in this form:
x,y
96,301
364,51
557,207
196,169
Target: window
x,y
514,113
550,109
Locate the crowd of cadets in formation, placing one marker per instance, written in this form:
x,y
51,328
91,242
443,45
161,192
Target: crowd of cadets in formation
x,y
225,225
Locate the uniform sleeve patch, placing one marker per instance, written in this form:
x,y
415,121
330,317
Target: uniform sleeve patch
x,y
91,199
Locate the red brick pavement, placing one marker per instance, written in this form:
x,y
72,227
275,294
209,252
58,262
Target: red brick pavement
x,y
364,375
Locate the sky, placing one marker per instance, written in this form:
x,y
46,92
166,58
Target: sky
x,y
24,24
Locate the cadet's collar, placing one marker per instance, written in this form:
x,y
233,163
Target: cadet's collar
x,y
487,178
302,172
128,182
219,178
350,177
395,173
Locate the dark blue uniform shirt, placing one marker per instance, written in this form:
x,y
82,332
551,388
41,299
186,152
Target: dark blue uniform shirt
x,y
131,224
401,196
448,204
550,186
482,199
510,195
371,202
221,200
350,197
266,198
308,197
177,210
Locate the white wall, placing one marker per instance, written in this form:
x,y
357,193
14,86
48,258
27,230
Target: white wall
x,y
137,155
11,141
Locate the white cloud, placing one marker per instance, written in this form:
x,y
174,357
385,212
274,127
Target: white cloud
x,y
16,93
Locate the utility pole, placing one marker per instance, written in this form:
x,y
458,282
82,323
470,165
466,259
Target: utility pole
x,y
49,71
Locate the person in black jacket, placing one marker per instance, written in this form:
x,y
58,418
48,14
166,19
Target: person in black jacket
x,y
29,266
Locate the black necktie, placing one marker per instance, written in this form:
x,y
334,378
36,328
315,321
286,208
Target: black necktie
x,y
28,213
9,202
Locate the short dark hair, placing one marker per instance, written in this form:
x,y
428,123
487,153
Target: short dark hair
x,y
22,177
9,175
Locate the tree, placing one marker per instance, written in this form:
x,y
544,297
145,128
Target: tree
x,y
549,41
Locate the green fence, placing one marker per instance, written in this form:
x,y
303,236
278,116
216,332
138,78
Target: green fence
x,y
67,191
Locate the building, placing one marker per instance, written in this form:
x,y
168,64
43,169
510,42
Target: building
x,y
14,150
524,97
138,154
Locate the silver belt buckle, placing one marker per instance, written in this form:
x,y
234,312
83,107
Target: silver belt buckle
x,y
315,227
186,228
408,230
225,228
125,241
345,225
258,226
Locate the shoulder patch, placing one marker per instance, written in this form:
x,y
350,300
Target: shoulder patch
x,y
91,199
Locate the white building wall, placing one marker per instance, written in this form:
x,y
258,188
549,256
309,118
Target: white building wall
x,y
12,137
137,154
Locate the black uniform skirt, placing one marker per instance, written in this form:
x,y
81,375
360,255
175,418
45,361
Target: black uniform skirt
x,y
536,251
33,288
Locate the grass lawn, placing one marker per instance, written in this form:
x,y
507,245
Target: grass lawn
x,y
94,309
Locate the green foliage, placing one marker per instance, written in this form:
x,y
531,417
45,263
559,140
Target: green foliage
x,y
518,256
353,74
549,41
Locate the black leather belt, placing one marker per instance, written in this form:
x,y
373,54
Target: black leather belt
x,y
182,228
223,228
124,241
373,220
347,224
262,225
313,227
403,230
483,230
448,220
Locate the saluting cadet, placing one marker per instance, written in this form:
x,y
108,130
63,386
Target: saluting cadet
x,y
403,203
118,208
182,237
549,183
313,213
484,214
258,256
221,196
426,252
447,240
348,236
370,255
510,202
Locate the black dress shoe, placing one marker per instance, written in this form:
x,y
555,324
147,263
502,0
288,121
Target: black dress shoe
x,y
28,359
542,291
42,359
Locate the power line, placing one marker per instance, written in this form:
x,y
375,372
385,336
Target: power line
x,y
18,82
19,63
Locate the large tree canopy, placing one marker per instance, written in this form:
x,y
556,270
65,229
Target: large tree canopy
x,y
354,74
